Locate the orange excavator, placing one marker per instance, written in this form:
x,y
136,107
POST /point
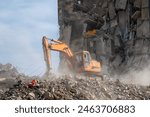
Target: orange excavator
x,y
80,62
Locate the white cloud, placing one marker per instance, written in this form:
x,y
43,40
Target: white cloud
x,y
22,26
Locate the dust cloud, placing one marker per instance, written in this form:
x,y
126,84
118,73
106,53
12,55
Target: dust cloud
x,y
141,77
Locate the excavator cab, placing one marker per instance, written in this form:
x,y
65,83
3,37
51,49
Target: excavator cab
x,y
79,59
83,59
86,64
86,58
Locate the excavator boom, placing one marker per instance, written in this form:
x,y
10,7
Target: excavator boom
x,y
55,45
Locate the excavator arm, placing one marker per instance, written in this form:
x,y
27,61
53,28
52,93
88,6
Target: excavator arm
x,y
55,45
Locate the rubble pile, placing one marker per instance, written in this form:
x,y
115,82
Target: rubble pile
x,y
76,88
122,40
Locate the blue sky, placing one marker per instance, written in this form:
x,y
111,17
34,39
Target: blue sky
x,y
23,23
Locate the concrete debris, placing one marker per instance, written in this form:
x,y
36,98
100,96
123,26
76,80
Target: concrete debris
x,y
112,12
145,9
143,30
121,4
137,3
113,23
136,15
31,95
125,21
77,88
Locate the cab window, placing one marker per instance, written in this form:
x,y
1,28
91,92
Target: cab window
x,y
79,60
87,59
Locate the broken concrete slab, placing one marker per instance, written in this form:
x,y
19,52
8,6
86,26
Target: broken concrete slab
x,y
105,4
145,3
143,30
145,9
112,12
145,13
113,23
67,34
136,15
123,23
137,4
121,4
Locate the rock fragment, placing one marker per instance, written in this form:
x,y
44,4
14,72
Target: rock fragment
x,y
121,4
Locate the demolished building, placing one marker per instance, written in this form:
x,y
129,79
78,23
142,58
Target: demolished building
x,y
121,31
119,38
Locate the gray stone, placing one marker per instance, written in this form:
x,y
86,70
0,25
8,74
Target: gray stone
x,y
143,30
136,15
32,95
100,47
137,3
117,42
113,23
105,4
145,13
138,46
121,4
67,34
145,9
112,12
145,3
48,96
123,22
118,32
108,47
106,25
